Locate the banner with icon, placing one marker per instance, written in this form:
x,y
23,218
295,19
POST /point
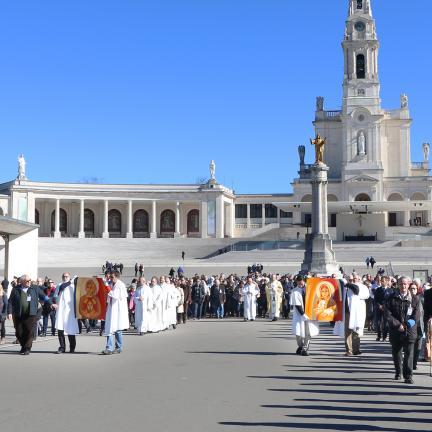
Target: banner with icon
x,y
324,299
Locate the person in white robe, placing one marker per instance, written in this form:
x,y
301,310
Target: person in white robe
x,y
302,326
143,299
173,299
117,315
181,304
155,324
164,299
354,315
250,294
66,322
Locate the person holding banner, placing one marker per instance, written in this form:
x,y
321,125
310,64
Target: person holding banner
x,y
143,298
117,315
66,322
302,326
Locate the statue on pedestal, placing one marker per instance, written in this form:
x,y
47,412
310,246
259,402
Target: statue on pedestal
x,y
319,143
361,144
320,103
426,148
404,101
212,170
301,152
21,167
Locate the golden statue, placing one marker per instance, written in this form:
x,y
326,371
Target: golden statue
x,y
319,143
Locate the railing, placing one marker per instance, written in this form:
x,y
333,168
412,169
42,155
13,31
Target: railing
x,y
332,114
417,165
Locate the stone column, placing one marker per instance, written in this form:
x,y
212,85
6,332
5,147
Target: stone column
x,y
177,221
81,233
220,217
57,233
129,230
153,229
429,212
203,219
105,233
248,222
319,257
407,216
231,226
263,216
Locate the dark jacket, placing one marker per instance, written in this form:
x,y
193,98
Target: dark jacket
x,y
217,295
187,294
396,311
3,305
36,294
198,293
427,305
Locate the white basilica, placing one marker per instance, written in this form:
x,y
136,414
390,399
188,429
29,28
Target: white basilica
x,y
367,150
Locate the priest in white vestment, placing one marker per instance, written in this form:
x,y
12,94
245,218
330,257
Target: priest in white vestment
x,y
155,324
143,306
117,315
250,294
66,322
302,327
274,298
173,300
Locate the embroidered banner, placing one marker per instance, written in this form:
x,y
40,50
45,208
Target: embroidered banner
x,y
90,298
324,299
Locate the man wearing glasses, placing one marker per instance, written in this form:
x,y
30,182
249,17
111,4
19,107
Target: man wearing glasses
x,y
23,310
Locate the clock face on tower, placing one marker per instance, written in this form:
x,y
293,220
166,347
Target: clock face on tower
x,y
359,26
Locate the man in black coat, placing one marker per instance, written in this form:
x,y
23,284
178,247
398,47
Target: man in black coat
x,y
403,314
427,310
23,309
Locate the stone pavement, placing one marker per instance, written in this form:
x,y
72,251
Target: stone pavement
x,y
209,375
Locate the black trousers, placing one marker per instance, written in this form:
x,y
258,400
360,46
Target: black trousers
x,y
403,357
24,330
62,341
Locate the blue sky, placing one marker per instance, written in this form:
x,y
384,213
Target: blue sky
x,y
149,91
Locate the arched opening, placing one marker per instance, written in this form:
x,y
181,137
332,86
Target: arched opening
x,y
89,222
193,223
167,223
63,221
359,4
306,218
418,217
141,223
37,217
332,216
360,66
395,218
362,197
114,223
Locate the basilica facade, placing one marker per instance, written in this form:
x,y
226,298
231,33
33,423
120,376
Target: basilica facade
x,y
368,150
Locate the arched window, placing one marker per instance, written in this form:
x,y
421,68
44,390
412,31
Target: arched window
x,y
37,217
193,222
361,66
167,221
359,4
141,222
362,197
63,221
114,221
89,221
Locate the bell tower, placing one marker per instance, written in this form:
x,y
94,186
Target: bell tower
x,y
361,85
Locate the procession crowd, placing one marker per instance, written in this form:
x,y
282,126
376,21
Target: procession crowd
x,y
393,307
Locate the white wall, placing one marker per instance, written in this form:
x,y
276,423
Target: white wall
x,y
371,224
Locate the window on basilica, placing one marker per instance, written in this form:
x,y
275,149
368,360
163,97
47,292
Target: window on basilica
x,y
359,4
360,66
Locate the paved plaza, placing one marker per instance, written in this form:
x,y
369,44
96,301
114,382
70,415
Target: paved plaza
x,y
209,375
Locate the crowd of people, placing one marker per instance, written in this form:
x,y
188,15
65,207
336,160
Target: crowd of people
x,y
393,307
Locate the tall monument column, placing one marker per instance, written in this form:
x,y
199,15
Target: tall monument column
x,y
319,257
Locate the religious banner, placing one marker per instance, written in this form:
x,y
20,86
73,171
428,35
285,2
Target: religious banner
x,y
90,298
324,299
